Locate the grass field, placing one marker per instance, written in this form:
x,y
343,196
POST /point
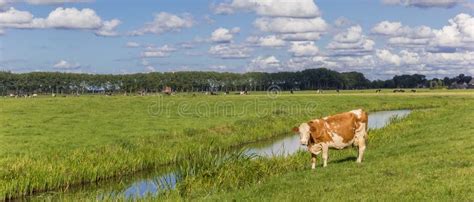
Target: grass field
x,y
52,143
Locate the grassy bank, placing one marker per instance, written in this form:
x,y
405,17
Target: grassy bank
x,y
54,143
427,156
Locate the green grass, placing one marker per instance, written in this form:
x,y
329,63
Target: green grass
x,y
427,156
53,143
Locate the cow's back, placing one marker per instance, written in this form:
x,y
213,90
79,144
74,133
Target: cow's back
x,y
342,125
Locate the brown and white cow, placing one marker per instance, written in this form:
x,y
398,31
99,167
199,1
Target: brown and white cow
x,y
336,131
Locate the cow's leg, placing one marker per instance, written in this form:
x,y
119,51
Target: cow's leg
x,y
361,150
313,161
325,155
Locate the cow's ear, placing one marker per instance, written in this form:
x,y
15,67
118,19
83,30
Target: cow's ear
x,y
295,129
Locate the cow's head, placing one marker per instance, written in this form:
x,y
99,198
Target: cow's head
x,y
304,131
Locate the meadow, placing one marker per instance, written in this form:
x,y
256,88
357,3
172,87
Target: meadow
x,y
56,143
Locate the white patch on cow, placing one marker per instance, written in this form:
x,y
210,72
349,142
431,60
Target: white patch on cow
x,y
338,142
304,133
357,112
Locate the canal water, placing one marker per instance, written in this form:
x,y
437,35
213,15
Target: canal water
x,y
151,183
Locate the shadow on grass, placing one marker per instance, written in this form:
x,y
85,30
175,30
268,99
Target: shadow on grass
x,y
350,158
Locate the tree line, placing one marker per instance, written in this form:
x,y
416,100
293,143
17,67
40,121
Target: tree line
x,y
197,81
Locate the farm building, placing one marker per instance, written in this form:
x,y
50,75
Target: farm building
x,y
458,86
470,85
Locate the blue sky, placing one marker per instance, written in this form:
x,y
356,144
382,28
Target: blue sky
x,y
379,38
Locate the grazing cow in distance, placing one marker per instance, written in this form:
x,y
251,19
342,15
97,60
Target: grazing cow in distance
x,y
399,91
413,90
34,95
337,131
378,90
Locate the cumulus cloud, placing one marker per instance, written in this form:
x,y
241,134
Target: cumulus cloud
x,y
291,25
426,3
427,63
165,22
230,51
276,8
223,35
267,41
303,49
60,18
405,57
458,34
108,28
158,52
289,20
303,36
264,64
351,42
65,65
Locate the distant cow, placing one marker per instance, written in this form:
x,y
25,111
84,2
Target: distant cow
x,y
413,90
337,131
399,90
34,95
378,90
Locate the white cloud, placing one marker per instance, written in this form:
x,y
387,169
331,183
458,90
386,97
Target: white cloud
x,y
158,52
388,28
108,28
13,17
230,51
427,63
271,41
459,34
72,18
387,56
426,3
291,25
60,18
267,41
303,49
264,64
132,44
165,22
222,9
65,65
279,8
351,42
223,35
303,36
